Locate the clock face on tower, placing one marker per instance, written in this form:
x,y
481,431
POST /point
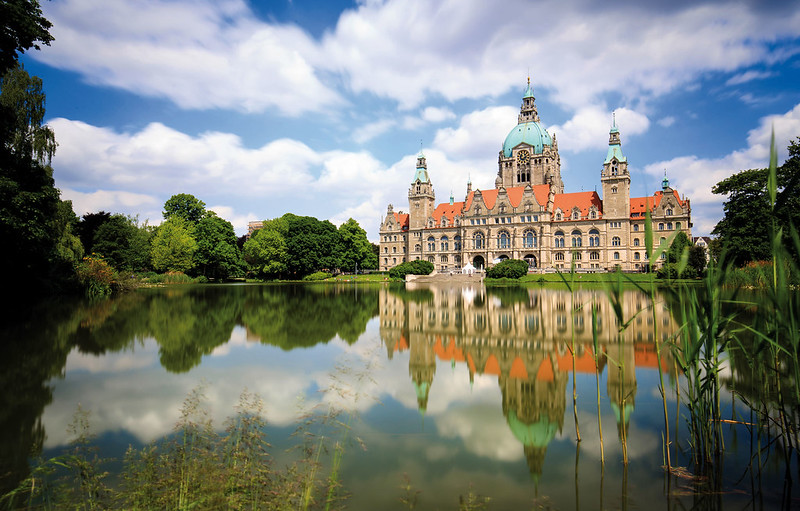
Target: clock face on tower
x,y
523,156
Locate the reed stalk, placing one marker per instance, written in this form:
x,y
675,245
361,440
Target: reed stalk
x,y
596,352
571,287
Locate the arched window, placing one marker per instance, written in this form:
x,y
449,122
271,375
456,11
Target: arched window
x,y
576,256
558,216
669,212
431,243
503,241
636,255
635,242
594,256
576,215
616,256
661,227
593,214
613,189
576,238
445,243
615,241
669,226
430,259
614,168
559,239
559,256
477,238
594,238
457,243
417,247
636,227
678,226
529,239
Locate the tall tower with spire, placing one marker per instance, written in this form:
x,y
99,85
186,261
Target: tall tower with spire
x,y
530,153
615,179
421,197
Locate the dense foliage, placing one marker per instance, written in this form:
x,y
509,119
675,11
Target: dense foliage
x,y
684,260
292,247
417,267
509,269
744,231
33,219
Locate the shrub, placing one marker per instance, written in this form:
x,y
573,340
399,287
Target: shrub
x,y
509,269
670,271
320,275
96,276
411,268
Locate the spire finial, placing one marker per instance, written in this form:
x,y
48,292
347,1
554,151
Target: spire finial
x,y
614,118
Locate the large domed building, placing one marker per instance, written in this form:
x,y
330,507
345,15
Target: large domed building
x,y
528,216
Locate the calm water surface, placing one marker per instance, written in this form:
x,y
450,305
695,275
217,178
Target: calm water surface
x,y
452,388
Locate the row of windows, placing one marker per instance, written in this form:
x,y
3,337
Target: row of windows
x,y
535,218
594,256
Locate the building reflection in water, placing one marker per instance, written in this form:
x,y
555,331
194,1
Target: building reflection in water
x,y
523,337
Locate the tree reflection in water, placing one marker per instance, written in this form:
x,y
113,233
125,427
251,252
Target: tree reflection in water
x,y
518,337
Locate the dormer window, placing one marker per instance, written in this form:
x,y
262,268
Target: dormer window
x,y
669,211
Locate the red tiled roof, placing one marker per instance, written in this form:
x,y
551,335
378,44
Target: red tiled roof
x,y
402,219
581,200
448,210
514,196
641,204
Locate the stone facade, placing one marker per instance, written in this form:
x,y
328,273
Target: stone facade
x,y
528,216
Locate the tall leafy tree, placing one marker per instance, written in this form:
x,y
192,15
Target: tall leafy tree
x,y
312,245
266,252
123,243
356,250
30,206
217,255
88,226
186,206
174,245
744,229
24,27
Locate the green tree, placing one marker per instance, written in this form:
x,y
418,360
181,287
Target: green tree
x,y
31,219
217,255
676,249
744,231
174,245
265,251
697,258
23,28
88,226
69,248
312,245
356,249
123,243
186,206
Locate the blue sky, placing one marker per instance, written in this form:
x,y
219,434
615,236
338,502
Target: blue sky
x,y
319,108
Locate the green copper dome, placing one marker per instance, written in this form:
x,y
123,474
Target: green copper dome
x,y
531,133
538,434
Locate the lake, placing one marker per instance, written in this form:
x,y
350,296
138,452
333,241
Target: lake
x,y
440,392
